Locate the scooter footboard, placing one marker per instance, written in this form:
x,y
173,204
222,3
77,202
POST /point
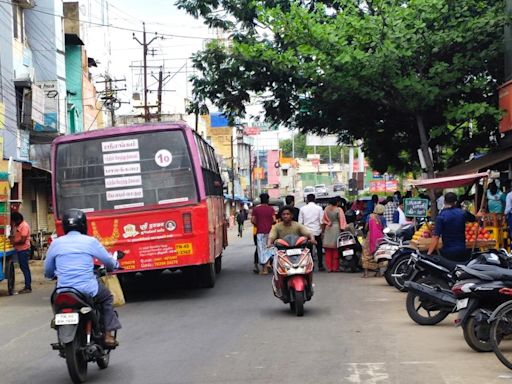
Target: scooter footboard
x,y
442,297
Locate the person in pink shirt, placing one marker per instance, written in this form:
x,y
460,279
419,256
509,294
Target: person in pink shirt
x,y
263,217
20,238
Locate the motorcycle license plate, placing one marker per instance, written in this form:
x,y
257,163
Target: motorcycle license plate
x,y
348,252
461,304
66,318
293,252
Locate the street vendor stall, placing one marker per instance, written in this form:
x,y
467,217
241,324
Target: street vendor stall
x,y
485,236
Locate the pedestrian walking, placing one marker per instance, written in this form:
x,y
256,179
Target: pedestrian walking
x,y
20,238
263,217
335,222
311,216
240,219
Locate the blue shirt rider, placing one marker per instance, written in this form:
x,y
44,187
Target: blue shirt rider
x,y
70,258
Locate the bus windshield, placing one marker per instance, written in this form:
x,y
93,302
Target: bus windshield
x,y
136,170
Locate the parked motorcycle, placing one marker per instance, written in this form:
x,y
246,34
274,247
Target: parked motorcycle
x,y
432,278
292,280
349,251
80,331
479,292
429,297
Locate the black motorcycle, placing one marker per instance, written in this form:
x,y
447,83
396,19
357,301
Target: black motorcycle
x,y
478,294
429,289
429,297
80,332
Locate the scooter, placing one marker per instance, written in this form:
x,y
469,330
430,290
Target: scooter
x,y
349,251
80,332
292,280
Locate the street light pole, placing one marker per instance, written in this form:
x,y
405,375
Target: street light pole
x,y
233,171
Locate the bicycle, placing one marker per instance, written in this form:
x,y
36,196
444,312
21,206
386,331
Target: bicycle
x,y
501,330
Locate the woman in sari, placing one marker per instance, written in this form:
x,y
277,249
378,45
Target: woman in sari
x,y
376,225
335,222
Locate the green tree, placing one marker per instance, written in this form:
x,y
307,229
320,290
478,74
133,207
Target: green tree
x,y
400,74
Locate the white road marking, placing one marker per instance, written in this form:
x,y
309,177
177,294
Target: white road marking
x,y
367,373
28,333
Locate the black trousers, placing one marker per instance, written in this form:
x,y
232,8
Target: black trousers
x,y
319,250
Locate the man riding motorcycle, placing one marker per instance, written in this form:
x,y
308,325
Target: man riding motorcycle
x,y
70,258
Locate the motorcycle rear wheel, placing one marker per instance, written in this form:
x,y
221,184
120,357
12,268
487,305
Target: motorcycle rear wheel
x,y
470,330
413,308
75,359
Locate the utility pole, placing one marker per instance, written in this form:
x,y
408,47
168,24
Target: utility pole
x,y
110,100
145,44
160,80
233,171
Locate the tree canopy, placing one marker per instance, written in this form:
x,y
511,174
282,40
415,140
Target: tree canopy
x,y
399,74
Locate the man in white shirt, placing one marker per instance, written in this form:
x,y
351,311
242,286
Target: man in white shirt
x,y
311,217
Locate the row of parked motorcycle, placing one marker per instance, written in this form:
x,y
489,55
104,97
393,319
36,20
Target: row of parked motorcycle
x,y
478,290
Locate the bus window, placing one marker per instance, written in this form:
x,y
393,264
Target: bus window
x,y
138,170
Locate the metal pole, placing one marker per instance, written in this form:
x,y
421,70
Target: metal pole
x,y
159,96
144,58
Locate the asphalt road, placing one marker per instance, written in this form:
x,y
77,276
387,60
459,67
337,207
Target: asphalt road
x,y
354,331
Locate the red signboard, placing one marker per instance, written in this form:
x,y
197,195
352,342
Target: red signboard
x,y
505,95
379,186
251,131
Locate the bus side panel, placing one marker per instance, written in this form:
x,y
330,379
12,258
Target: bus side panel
x,y
157,239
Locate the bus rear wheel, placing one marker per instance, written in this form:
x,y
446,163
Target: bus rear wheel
x,y
207,275
218,264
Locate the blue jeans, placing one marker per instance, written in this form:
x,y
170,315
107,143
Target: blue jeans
x,y
23,257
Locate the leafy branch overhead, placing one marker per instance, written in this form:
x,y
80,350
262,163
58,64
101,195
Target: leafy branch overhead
x,y
378,70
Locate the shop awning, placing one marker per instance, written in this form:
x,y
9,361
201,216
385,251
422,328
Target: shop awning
x,y
479,164
449,182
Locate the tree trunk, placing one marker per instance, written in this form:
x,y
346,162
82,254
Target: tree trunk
x,y
428,161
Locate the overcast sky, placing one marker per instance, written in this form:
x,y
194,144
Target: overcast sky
x,y
173,52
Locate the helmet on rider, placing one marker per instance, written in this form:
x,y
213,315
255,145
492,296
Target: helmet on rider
x,y
74,220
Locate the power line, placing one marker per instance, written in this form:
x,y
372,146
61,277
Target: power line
x,y
113,26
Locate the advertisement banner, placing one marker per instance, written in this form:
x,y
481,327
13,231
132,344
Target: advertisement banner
x,y
51,107
38,97
379,186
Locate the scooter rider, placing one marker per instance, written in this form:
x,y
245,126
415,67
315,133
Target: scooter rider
x,y
70,258
288,227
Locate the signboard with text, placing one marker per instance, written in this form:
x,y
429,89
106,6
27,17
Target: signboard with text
x,y
416,207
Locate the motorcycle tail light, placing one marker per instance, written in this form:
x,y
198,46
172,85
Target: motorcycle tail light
x,y
65,299
66,310
506,291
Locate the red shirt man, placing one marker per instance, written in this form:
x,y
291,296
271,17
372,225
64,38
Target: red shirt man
x,y
20,238
263,217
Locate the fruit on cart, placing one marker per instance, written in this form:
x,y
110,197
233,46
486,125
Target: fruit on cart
x,y
425,231
474,232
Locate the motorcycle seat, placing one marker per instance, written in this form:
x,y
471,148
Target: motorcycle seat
x,y
447,263
492,271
